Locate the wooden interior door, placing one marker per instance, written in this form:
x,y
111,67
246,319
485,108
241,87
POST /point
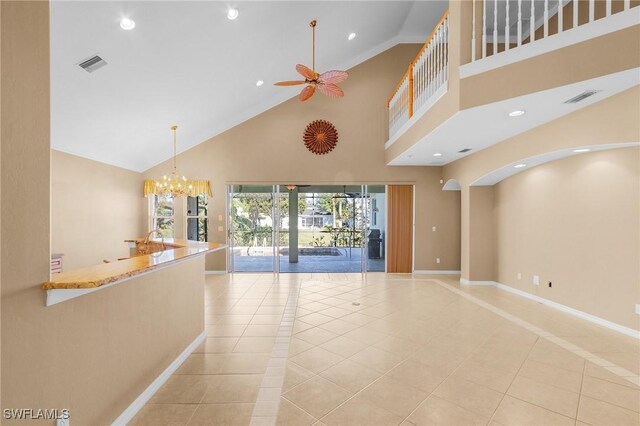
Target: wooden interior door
x,y
400,228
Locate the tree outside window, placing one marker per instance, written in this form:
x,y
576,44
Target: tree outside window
x,y
161,208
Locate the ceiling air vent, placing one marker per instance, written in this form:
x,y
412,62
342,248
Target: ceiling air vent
x,y
582,96
462,151
92,64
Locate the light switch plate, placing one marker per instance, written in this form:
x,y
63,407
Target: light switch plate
x,y
433,228
219,218
638,308
437,260
536,280
519,275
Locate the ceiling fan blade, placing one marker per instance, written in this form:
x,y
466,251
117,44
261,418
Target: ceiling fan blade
x,y
306,72
330,90
289,83
333,76
306,93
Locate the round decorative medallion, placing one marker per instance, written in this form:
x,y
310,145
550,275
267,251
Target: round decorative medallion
x,y
320,137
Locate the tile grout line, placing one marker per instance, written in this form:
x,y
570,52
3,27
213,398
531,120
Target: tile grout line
x,y
607,365
267,405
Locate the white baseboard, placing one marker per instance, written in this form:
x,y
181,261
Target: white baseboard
x,y
580,314
436,272
467,282
146,395
215,272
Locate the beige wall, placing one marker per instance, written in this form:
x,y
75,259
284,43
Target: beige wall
x,y
94,208
575,222
269,149
482,242
96,353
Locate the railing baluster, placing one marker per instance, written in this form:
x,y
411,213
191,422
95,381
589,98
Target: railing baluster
x,y
546,18
436,39
506,27
532,22
495,26
519,22
473,32
484,28
592,10
560,16
410,90
608,7
575,14
446,38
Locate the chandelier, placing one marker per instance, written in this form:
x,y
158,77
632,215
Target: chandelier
x,y
174,184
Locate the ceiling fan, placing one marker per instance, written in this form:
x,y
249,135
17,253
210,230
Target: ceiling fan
x,y
325,82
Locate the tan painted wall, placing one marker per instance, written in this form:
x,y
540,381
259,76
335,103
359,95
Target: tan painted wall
x,y
482,242
268,149
94,208
94,354
575,222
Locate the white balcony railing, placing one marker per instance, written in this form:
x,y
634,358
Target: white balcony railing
x,y
507,24
427,73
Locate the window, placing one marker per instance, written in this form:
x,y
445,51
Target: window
x,y
161,215
197,221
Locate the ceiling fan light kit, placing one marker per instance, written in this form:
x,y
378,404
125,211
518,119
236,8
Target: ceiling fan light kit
x,y
326,83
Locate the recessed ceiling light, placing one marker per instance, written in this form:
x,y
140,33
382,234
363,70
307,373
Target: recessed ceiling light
x,y
232,14
582,150
259,83
437,154
519,166
352,36
127,24
517,113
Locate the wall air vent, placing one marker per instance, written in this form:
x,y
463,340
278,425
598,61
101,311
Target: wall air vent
x,y
462,151
582,96
92,64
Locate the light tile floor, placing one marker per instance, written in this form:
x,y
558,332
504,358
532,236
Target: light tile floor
x,y
394,350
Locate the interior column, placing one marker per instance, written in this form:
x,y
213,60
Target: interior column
x,y
478,251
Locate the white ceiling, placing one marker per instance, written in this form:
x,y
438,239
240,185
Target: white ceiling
x,y
185,63
480,127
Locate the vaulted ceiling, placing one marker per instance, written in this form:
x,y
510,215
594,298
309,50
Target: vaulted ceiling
x,y
185,63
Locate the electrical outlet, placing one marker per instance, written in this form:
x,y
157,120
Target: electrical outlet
x,y
536,280
433,228
220,229
519,276
437,260
638,308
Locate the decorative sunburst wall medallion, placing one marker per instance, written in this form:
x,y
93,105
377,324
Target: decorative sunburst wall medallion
x,y
320,137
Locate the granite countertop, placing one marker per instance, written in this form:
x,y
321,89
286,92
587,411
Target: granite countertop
x,y
107,273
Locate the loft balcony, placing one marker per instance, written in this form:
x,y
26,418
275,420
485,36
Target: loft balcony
x,y
485,59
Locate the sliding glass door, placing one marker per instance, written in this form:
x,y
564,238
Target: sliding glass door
x,y
306,228
251,228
